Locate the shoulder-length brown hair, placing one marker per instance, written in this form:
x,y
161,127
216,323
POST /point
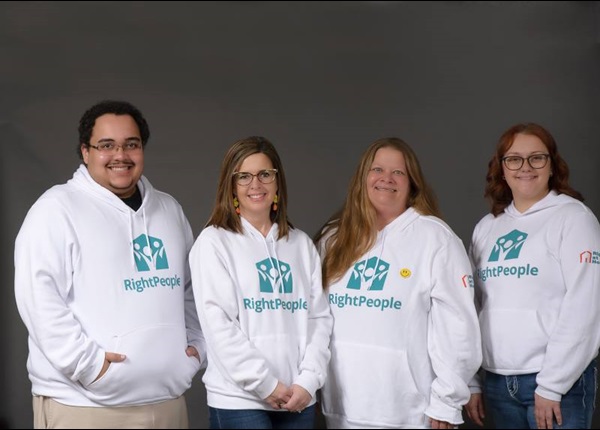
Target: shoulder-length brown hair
x,y
498,191
354,229
223,214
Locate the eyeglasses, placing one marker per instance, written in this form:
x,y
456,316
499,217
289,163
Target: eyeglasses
x,y
536,161
111,148
264,176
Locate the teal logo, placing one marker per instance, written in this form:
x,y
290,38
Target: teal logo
x,y
374,270
149,253
273,273
508,246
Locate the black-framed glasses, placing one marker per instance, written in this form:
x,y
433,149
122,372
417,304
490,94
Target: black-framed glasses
x,y
266,176
536,161
111,147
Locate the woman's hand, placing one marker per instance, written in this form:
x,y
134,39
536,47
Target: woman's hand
x,y
437,424
299,400
545,411
475,409
280,396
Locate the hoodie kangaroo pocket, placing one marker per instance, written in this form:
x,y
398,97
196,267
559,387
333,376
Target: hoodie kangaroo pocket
x,y
514,340
371,384
156,368
282,357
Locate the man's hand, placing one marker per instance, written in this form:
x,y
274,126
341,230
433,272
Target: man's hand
x,y
109,357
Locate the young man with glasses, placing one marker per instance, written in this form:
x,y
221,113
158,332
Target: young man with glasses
x,y
102,284
537,280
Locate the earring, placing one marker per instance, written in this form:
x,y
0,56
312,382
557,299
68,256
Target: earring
x,y
236,205
275,200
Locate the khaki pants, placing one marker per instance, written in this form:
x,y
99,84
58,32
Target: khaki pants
x,y
49,414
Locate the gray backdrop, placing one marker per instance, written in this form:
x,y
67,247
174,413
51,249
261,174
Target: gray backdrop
x,y
322,80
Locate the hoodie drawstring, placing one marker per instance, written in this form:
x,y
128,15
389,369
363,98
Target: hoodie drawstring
x,y
378,258
148,237
383,236
279,280
130,217
279,283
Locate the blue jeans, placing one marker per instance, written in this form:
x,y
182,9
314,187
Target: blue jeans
x,y
259,419
510,402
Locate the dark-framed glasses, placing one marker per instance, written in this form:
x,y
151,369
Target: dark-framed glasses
x,y
536,161
265,176
111,147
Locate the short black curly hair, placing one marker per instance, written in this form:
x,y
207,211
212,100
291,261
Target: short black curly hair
x,y
88,120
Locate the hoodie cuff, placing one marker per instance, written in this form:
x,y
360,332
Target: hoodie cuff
x,y
443,412
475,390
547,394
265,389
476,383
308,381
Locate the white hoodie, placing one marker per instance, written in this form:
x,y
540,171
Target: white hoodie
x,y
264,314
89,281
537,276
406,340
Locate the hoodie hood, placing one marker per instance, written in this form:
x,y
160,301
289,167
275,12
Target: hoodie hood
x,y
403,220
83,180
255,233
552,200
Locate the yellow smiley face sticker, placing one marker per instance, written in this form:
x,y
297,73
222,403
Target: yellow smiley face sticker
x,y
405,273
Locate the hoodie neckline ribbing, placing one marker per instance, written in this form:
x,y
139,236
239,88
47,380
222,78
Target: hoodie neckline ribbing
x,y
549,200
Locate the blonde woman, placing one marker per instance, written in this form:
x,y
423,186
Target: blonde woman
x,y
406,339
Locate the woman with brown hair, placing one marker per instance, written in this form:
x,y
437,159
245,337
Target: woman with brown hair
x,y
257,285
537,275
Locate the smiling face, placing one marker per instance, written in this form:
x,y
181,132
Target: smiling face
x,y
388,185
256,198
528,185
118,172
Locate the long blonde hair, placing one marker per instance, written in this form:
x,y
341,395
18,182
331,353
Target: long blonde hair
x,y
353,229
